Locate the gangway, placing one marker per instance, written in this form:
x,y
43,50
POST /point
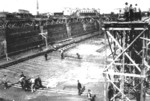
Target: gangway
x,y
126,73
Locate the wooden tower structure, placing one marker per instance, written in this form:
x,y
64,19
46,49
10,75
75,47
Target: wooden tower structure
x,y
126,74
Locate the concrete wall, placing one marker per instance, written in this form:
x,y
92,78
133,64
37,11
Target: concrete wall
x,y
76,29
90,27
56,32
20,37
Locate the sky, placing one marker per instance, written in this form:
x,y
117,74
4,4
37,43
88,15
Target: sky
x,y
105,6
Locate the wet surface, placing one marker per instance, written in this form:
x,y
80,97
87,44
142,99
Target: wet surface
x,y
60,76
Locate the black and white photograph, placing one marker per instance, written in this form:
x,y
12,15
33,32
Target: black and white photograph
x,y
74,50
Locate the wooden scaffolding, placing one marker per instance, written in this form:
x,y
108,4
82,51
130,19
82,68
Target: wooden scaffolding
x,y
126,74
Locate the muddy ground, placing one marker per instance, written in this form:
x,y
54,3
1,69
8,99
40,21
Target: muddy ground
x,y
60,75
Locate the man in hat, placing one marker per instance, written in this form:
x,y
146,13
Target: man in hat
x,y
131,13
79,86
32,80
126,12
135,10
78,56
46,56
38,83
62,53
22,74
5,82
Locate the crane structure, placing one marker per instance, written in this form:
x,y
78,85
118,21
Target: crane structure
x,y
126,75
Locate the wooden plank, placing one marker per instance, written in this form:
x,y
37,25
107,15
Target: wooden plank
x,y
127,29
125,74
125,22
125,64
142,93
145,39
146,64
130,25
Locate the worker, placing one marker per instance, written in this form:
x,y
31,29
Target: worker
x,y
135,10
110,92
138,12
131,13
62,54
22,74
79,86
119,14
5,82
78,56
45,55
90,96
32,81
126,12
38,83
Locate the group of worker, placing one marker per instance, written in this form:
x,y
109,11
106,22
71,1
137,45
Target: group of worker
x,y
31,83
62,55
26,83
35,83
132,13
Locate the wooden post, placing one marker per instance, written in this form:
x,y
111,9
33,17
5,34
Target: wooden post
x,y
46,42
142,72
110,46
105,82
68,27
123,66
44,35
5,49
